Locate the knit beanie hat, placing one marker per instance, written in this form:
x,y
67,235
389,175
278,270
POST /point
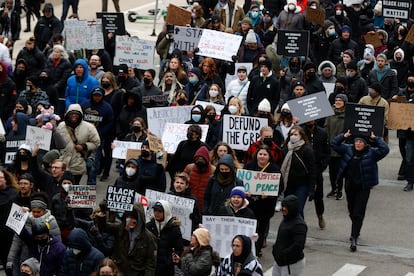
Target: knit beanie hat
x,y
350,53
369,51
352,65
34,265
203,236
377,87
343,97
238,190
51,156
382,55
309,65
264,106
251,37
327,24
361,139
297,83
246,20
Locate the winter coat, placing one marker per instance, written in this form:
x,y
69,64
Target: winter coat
x,y
261,88
57,76
169,237
151,174
237,17
63,213
197,264
46,27
87,261
357,88
291,236
389,82
334,125
320,144
35,59
290,21
78,91
10,23
8,93
100,115
338,46
320,46
244,212
368,160
184,155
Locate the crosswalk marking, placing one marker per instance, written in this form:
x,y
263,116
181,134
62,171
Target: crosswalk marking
x,y
349,270
409,274
269,272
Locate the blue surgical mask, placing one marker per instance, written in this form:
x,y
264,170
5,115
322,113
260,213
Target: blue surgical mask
x,y
254,14
196,117
192,80
266,19
331,32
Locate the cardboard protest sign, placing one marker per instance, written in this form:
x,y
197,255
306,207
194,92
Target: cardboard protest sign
x,y
155,143
241,131
292,43
315,15
17,218
158,116
132,153
311,107
181,208
120,199
173,134
396,9
82,196
12,145
186,38
401,116
223,229
83,34
112,22
121,147
410,36
134,52
177,16
219,45
258,183
373,38
362,119
37,135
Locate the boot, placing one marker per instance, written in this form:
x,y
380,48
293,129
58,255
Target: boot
x,y
321,222
408,187
353,246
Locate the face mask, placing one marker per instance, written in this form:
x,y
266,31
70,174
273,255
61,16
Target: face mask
x,y
357,9
254,14
65,187
398,58
28,87
268,141
211,117
200,165
410,84
213,93
130,223
286,114
387,27
294,138
135,128
76,251
233,109
225,174
349,74
192,80
267,20
291,7
338,12
310,75
147,81
24,274
181,101
122,78
196,117
331,32
42,242
130,171
145,153
372,94
105,85
23,157
222,4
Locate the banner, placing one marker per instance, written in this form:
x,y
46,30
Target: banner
x,y
83,34
258,183
121,148
219,45
241,131
17,218
158,116
223,229
37,135
120,199
292,43
181,208
82,196
134,52
173,134
186,38
311,107
362,119
401,116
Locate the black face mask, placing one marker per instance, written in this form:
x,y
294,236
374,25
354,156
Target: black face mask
x,y
286,114
410,84
211,117
225,174
181,101
135,128
200,165
23,157
24,274
310,75
18,72
268,141
145,153
43,242
294,66
106,85
122,78
147,81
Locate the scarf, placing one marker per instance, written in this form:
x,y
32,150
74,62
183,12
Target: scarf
x,y
285,169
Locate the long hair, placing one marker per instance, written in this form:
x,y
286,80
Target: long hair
x,y
211,64
301,132
107,262
111,78
214,158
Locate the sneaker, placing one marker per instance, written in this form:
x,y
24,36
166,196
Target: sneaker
x,y
278,207
331,194
339,196
408,187
321,222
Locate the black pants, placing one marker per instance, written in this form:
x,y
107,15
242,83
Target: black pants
x,y
333,172
318,198
32,7
403,166
357,200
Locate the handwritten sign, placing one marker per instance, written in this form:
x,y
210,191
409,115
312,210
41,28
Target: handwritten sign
x,y
155,143
362,119
310,107
158,116
219,45
121,147
173,134
292,43
401,116
83,34
134,52
181,208
41,136
410,36
178,16
120,199
186,38
217,107
373,38
82,196
132,153
223,229
258,183
315,15
241,131
17,218
12,145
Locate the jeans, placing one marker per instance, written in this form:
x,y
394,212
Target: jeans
x,y
289,270
65,9
409,167
302,193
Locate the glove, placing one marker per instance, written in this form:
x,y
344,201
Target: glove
x,y
234,58
196,50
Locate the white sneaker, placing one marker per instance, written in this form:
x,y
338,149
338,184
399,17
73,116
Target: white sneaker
x,y
278,206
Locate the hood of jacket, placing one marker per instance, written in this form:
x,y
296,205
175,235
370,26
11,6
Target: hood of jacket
x,y
291,202
136,94
203,152
401,51
139,214
226,159
201,108
85,66
78,239
330,64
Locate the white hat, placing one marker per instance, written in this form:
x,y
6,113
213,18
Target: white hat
x,y
288,2
251,37
26,147
264,106
285,106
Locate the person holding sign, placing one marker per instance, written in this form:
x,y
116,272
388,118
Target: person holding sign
x,y
359,167
129,178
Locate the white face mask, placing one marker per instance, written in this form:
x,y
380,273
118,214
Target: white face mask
x,y
291,7
213,93
294,138
130,171
76,251
233,109
66,187
338,12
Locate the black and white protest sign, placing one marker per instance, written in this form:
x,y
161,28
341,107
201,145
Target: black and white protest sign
x,y
17,218
311,107
186,38
396,9
12,145
292,43
112,22
120,199
362,119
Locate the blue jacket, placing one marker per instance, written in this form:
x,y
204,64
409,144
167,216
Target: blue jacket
x,y
100,115
369,159
80,91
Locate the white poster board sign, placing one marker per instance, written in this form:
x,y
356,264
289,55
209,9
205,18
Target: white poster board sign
x,y
241,131
134,52
173,134
158,116
37,135
181,208
2,130
219,45
120,199
186,38
329,88
258,183
217,107
121,148
83,34
17,218
224,228
82,196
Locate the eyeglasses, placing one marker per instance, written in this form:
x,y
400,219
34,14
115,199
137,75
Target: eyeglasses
x,y
55,167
